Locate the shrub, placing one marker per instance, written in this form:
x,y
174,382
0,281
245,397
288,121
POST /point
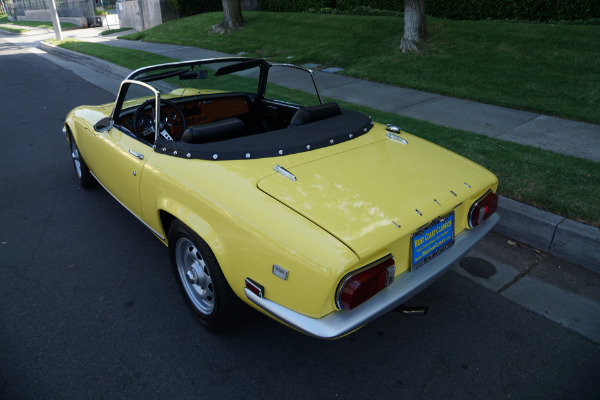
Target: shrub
x,y
527,10
294,6
360,10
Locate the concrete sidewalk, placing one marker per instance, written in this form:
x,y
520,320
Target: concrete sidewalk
x,y
564,238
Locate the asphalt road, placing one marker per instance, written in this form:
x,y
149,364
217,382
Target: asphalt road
x,y
90,309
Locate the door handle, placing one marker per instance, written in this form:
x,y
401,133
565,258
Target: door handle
x,y
138,155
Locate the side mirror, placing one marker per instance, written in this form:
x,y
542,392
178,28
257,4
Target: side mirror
x,y
103,125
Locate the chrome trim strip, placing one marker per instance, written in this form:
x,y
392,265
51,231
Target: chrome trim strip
x,y
405,286
124,206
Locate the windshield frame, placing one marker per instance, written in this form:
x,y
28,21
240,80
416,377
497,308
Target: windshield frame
x,y
307,70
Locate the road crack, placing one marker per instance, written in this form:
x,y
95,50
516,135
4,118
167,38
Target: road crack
x,y
534,263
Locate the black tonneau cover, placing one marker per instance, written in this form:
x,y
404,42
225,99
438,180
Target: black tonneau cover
x,y
346,126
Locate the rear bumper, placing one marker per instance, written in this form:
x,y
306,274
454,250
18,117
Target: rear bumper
x,y
405,286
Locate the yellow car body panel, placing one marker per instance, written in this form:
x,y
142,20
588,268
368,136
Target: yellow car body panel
x,y
247,230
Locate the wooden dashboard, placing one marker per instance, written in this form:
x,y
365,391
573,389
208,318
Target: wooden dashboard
x,y
195,111
210,110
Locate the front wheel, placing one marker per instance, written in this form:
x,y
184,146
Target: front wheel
x,y
203,285
85,177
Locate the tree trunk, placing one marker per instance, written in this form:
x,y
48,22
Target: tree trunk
x,y
233,17
415,25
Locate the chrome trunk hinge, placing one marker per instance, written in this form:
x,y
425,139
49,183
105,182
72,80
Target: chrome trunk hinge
x,y
278,168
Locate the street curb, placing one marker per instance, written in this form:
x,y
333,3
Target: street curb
x,y
575,242
564,238
578,242
96,63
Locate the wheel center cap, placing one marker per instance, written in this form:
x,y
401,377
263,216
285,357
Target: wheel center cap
x,y
192,276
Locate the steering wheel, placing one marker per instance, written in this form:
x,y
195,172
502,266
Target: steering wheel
x,y
143,125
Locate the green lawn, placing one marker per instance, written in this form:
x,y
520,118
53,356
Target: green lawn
x,y
563,185
552,69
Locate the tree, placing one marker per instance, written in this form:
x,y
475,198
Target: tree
x,y
415,25
233,17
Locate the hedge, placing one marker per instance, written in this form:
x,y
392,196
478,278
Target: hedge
x,y
192,7
528,10
294,6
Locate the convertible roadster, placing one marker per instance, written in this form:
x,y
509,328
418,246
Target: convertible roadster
x,y
312,214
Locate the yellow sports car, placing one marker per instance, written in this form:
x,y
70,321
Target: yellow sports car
x,y
312,214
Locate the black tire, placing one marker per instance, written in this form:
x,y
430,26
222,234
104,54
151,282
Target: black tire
x,y
85,177
201,281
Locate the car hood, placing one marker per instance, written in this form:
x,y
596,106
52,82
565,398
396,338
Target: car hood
x,y
374,194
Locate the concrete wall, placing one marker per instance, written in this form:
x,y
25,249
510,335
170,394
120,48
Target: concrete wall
x,y
129,15
73,11
151,13
111,20
143,14
44,15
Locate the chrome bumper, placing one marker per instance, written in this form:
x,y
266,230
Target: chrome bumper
x,y
405,286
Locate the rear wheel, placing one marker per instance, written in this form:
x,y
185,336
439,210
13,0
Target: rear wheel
x,y
203,285
85,177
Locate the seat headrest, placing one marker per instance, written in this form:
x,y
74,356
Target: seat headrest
x,y
214,132
315,113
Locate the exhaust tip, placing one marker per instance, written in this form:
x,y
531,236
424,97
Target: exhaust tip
x,y
419,311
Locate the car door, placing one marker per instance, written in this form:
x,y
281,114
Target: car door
x,y
118,157
119,164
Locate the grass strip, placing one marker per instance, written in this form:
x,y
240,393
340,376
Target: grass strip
x,y
12,30
564,185
128,58
111,31
551,69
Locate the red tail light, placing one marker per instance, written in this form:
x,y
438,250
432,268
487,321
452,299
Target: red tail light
x,y
357,288
482,209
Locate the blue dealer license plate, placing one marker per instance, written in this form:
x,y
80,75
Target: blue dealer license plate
x,y
431,240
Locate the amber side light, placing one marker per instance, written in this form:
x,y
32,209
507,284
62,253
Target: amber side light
x,y
482,209
358,288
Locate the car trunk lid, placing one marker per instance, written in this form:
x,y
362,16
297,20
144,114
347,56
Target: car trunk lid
x,y
376,193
